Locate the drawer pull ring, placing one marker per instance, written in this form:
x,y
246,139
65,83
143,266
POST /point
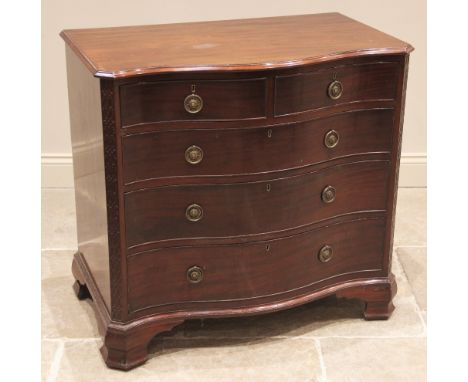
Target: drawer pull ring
x,y
194,155
195,274
325,253
193,103
331,139
335,90
328,194
194,213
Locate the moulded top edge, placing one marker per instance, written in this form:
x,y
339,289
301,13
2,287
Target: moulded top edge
x,y
242,67
230,45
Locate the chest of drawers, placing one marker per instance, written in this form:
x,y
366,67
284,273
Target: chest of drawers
x,y
232,168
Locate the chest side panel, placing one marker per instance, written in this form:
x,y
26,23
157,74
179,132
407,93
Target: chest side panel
x,y
89,172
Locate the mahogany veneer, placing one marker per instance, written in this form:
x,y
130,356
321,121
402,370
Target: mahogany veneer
x,y
357,131
252,208
215,182
155,101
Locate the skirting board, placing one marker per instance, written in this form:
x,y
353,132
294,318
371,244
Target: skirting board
x,y
413,170
57,170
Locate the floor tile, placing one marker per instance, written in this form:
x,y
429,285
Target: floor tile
x,y
77,354
48,351
424,316
414,262
56,263
370,360
198,360
261,360
411,216
404,290
58,219
63,315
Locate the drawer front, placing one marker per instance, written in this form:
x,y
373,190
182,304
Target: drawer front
x,y
337,85
147,102
255,150
225,210
246,271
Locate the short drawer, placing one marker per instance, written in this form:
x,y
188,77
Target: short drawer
x,y
146,102
335,85
218,152
236,272
226,210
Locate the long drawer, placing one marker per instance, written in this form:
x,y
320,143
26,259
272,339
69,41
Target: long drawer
x,y
253,270
226,210
217,152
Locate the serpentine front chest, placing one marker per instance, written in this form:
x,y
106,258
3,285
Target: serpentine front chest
x,y
232,168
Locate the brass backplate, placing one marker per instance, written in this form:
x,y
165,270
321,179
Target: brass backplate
x,y
195,274
325,253
194,212
328,194
331,139
335,90
194,155
193,103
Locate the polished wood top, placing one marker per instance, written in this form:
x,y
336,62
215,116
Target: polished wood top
x,y
263,43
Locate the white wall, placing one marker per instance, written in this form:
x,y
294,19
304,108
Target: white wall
x,y
403,19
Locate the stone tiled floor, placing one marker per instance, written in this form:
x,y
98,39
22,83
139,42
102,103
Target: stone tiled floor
x,y
324,341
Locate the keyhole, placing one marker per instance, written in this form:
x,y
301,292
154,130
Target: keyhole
x,y
268,187
269,133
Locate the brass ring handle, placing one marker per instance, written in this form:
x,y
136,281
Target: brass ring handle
x,y
194,213
193,103
325,253
335,90
194,154
331,139
195,274
328,194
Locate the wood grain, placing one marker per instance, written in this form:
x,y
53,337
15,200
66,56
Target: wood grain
x,y
160,101
248,271
254,150
249,208
361,82
250,44
89,171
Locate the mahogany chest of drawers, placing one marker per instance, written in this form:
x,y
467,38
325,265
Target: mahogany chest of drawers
x,y
232,168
